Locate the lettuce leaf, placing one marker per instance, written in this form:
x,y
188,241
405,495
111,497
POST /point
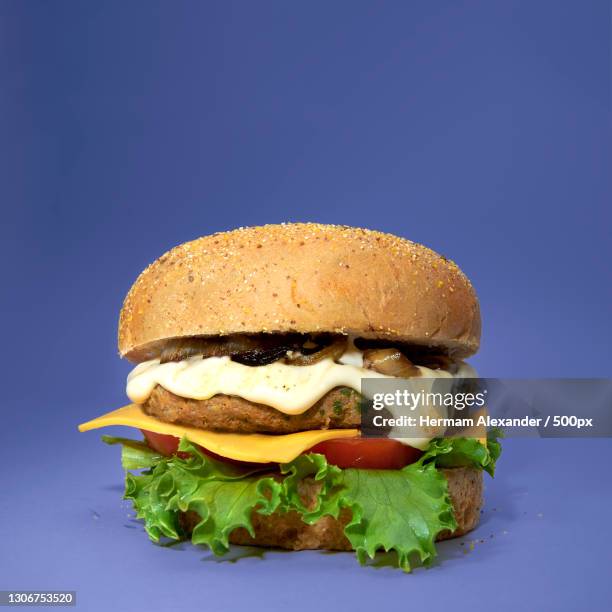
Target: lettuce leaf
x,y
135,455
222,494
393,510
459,452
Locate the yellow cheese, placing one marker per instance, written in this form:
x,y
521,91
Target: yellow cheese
x,y
257,448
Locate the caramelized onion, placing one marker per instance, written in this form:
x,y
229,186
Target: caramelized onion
x,y
334,351
390,362
259,356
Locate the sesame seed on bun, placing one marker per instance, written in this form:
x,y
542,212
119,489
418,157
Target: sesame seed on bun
x,y
305,278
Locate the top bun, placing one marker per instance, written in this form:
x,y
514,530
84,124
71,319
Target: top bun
x,y
301,277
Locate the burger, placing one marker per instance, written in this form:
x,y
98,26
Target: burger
x,y
250,349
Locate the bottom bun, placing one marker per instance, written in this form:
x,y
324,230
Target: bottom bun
x,y
287,530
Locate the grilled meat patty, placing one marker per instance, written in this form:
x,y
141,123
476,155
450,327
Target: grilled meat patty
x,y
338,409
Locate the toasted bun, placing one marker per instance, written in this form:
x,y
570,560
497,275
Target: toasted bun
x,y
301,277
287,530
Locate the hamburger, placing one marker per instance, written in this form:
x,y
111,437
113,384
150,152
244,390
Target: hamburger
x,y
250,348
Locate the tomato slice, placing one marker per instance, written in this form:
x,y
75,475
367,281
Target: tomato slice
x,y
367,453
163,444
364,453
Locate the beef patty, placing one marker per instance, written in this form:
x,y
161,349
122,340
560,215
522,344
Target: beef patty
x,y
338,409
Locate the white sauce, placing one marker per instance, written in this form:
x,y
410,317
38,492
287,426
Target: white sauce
x,y
287,388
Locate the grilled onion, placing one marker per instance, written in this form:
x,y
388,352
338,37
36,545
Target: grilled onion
x,y
390,362
260,356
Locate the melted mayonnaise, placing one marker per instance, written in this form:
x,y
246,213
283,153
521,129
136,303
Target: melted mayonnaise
x,y
289,389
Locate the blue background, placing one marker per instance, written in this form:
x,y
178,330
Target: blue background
x,y
482,129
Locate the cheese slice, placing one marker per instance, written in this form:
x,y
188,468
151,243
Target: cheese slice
x,y
256,448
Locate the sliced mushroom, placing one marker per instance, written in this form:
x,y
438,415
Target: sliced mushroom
x,y
334,351
437,362
183,348
390,362
255,349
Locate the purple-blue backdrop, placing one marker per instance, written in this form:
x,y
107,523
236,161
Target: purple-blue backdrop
x,y
481,129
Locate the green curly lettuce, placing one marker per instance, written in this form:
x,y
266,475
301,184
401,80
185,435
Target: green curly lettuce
x,y
135,455
460,452
393,510
222,494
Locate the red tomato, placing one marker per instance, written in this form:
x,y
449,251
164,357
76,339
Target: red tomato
x,y
364,453
163,444
367,453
